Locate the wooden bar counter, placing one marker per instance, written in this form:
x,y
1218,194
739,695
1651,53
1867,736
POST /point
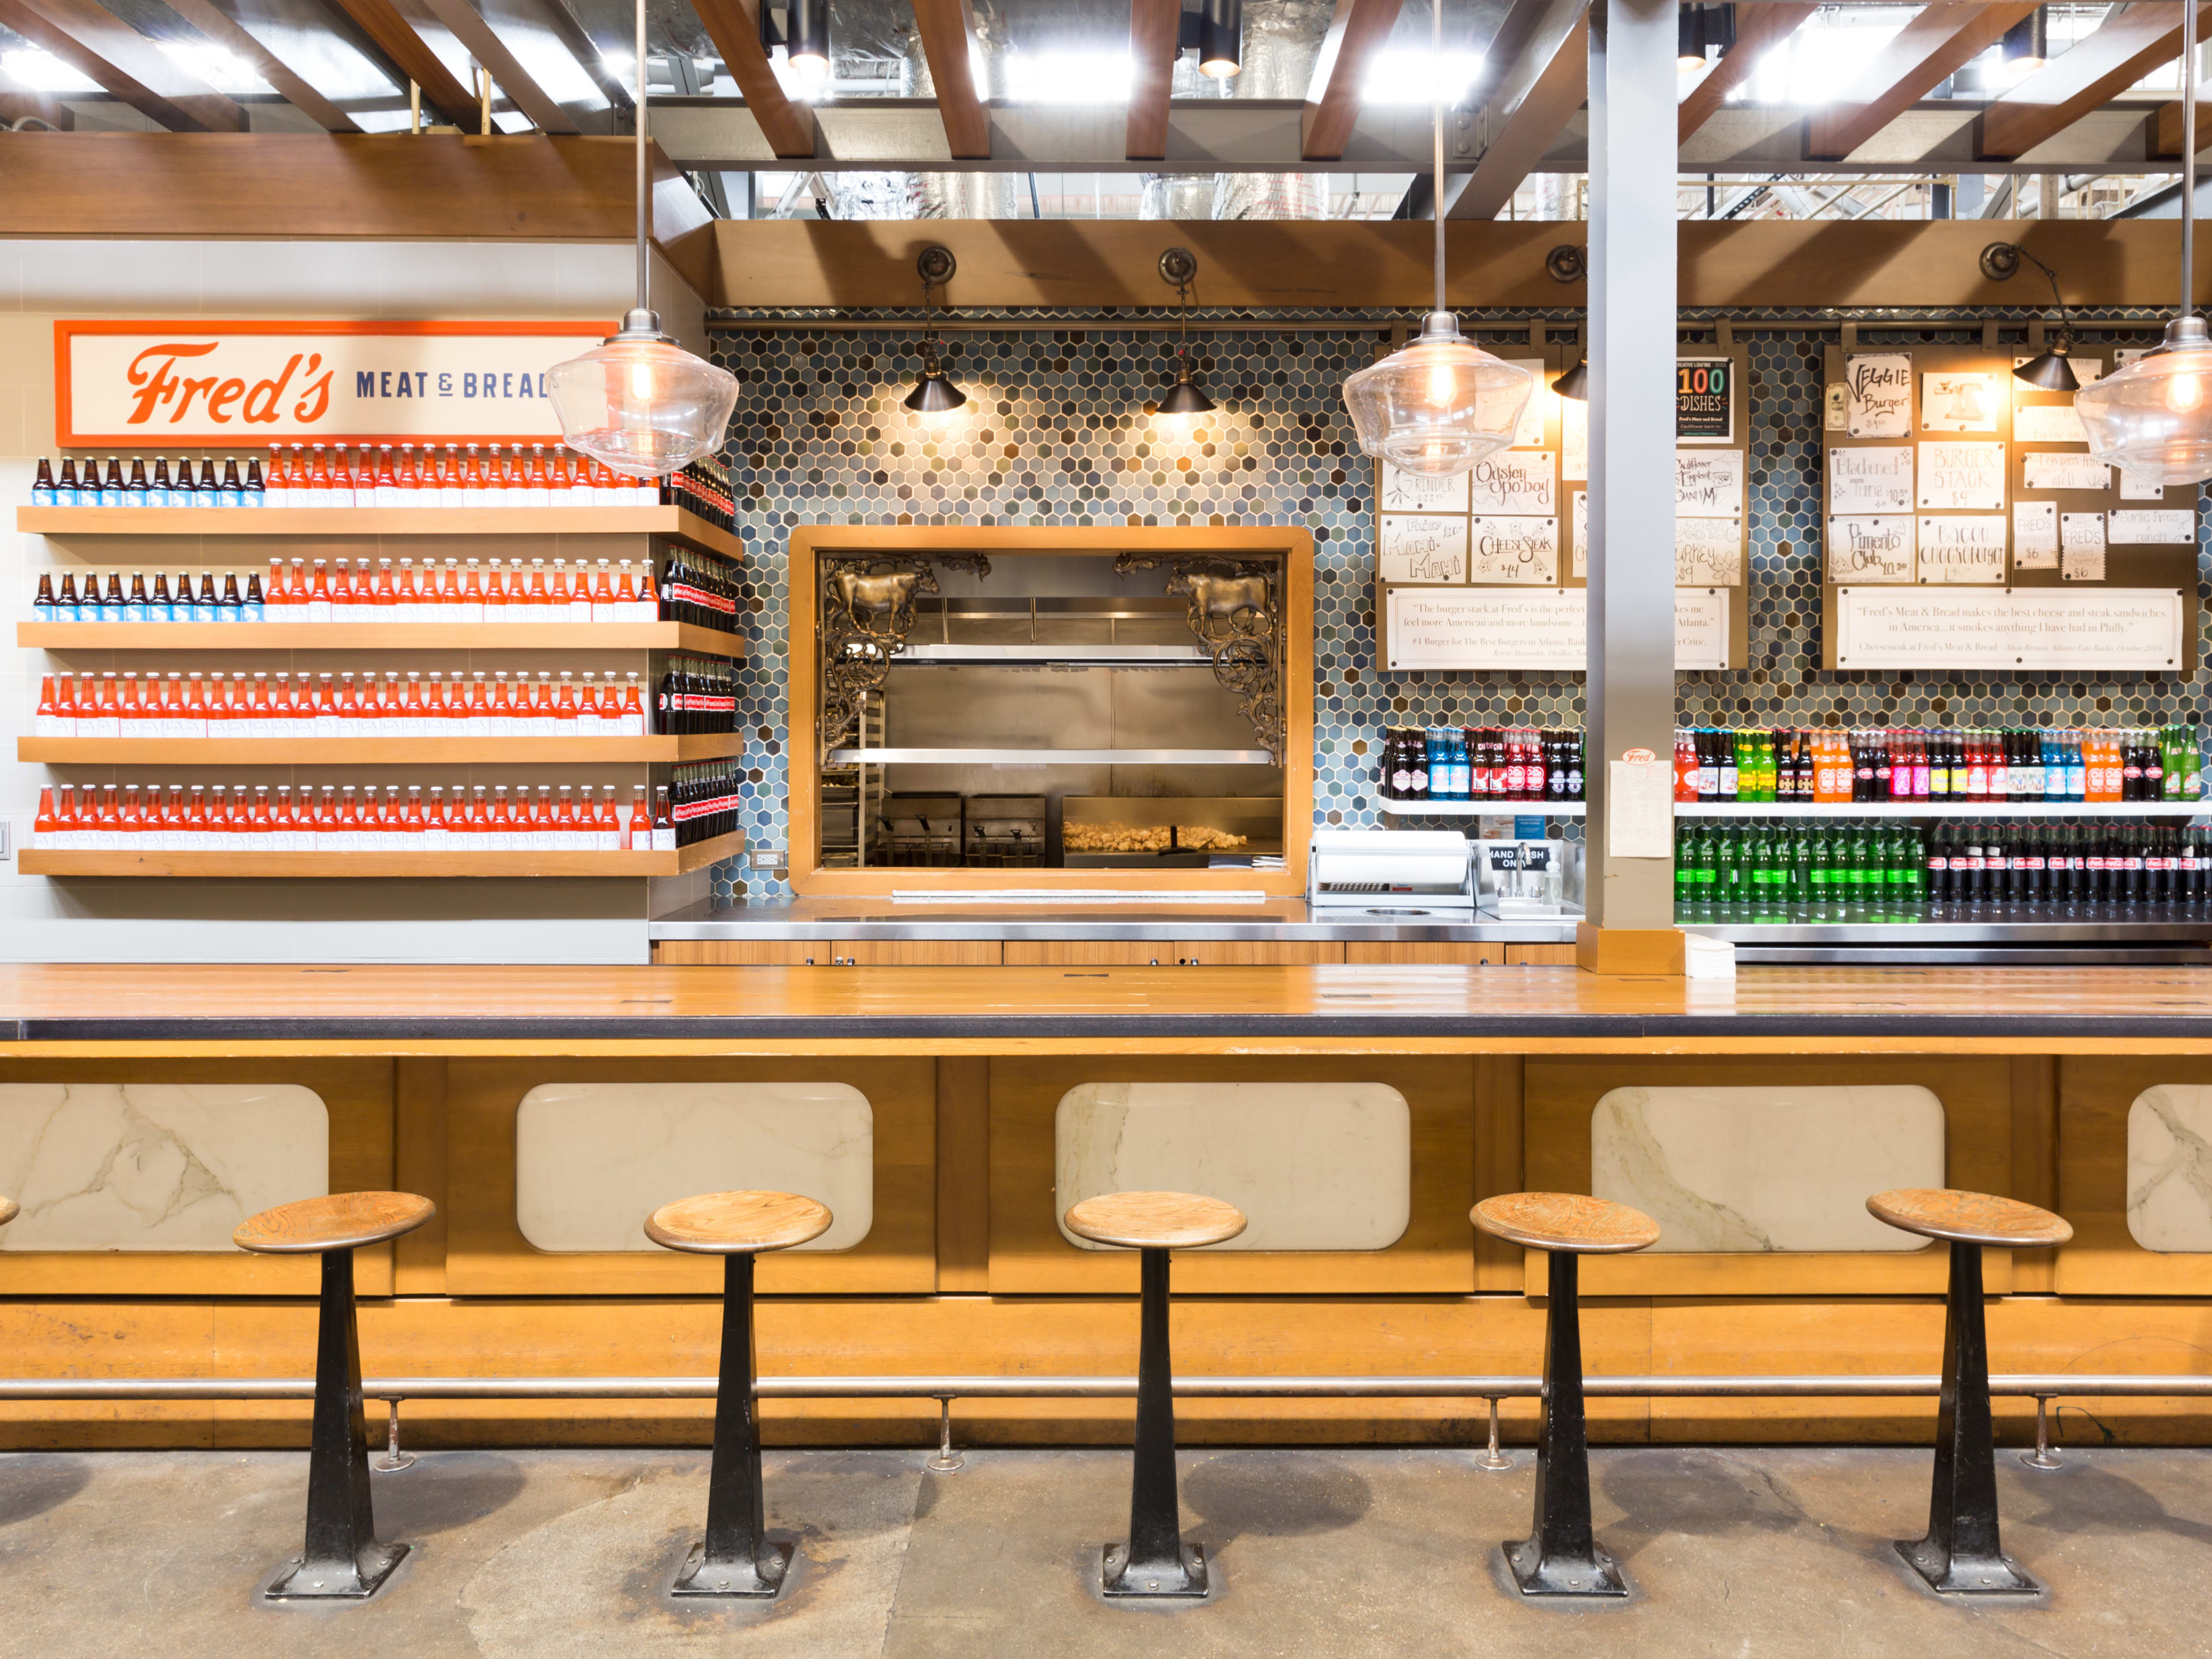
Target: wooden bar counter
x,y
948,1116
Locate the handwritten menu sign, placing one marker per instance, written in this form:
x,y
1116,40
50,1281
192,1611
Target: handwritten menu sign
x,y
2176,528
1515,550
1959,403
1878,395
1962,547
1514,481
2061,471
1962,476
1704,399
1535,414
1422,547
2133,488
1708,552
1870,480
1581,533
2082,547
2125,629
1709,484
2035,535
1413,492
1870,550
1574,440
2048,423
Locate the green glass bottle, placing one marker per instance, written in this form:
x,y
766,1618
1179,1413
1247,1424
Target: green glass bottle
x,y
1731,869
1800,871
1820,878
1685,870
1759,861
1916,868
1709,869
1858,869
1896,870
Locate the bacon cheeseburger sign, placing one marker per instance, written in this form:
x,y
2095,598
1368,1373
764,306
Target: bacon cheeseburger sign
x,y
205,383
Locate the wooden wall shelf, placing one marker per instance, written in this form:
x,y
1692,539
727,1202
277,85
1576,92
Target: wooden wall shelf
x,y
380,636
378,521
35,861
372,751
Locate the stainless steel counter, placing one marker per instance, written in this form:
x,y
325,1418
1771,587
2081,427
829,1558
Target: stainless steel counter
x,y
1282,920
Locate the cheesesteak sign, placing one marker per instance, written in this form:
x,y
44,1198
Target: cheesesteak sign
x,y
203,383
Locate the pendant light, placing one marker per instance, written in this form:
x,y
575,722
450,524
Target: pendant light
x,y
1179,265
934,393
638,401
1439,404
805,37
1220,38
2049,372
2152,418
1575,383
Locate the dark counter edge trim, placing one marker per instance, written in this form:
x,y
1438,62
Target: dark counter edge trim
x,y
740,1028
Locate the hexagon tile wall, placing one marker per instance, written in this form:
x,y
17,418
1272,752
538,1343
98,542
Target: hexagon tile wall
x,y
1054,433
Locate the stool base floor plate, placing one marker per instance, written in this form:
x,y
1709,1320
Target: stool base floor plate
x,y
1117,1578
342,1581
1965,1575
1537,1574
734,1578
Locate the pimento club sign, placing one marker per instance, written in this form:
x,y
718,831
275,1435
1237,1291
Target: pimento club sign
x,y
201,383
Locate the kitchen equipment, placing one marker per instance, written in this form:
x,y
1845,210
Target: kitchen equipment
x,y
1397,874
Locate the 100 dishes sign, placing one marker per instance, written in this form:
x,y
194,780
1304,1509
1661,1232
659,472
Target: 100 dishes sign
x,y
225,383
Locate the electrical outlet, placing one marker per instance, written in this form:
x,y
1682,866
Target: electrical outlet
x,y
767,858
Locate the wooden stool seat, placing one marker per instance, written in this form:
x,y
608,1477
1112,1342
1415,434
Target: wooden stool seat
x,y
342,1221
732,1224
1155,1221
1968,1218
1572,1222
7,1208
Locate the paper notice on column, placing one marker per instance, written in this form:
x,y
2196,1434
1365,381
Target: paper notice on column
x,y
2082,547
1639,809
2035,535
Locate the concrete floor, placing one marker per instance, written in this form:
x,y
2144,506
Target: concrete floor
x,y
535,1555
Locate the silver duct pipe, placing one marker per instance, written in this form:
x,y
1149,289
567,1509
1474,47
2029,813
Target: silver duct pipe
x,y
1282,40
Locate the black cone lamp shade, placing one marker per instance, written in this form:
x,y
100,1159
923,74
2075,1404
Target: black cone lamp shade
x,y
1186,398
1575,383
934,394
2050,372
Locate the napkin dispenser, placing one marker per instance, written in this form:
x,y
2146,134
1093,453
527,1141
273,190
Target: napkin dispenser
x,y
1392,875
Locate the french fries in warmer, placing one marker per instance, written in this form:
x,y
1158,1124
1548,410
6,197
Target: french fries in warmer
x,y
1148,838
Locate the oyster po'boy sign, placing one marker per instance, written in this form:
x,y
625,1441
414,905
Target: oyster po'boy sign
x,y
200,383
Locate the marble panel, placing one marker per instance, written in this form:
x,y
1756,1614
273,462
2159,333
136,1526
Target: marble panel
x,y
1730,1169
593,1160
2170,1169
1314,1166
155,1166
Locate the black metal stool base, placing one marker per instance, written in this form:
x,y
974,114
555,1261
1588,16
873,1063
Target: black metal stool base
x,y
1538,1574
336,1581
1950,1574
1156,1581
760,1580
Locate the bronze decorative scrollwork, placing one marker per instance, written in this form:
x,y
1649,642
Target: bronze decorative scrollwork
x,y
867,614
1237,618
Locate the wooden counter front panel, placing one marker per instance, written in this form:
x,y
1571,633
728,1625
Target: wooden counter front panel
x,y
488,1255
1434,1254
358,1096
2104,1259
1978,1111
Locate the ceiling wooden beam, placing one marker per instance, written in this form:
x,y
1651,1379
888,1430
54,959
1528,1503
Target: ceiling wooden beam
x,y
1759,30
1925,54
947,27
395,37
219,27
469,27
18,105
99,45
734,28
2166,128
2132,42
1356,36
1536,98
1155,36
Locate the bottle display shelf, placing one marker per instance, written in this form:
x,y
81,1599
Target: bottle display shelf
x,y
1483,808
380,636
379,521
374,751
1938,808
268,865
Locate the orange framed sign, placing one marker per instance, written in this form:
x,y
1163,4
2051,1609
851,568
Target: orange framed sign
x,y
201,382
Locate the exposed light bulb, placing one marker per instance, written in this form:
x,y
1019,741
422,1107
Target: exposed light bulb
x,y
808,67
1441,384
2184,393
641,381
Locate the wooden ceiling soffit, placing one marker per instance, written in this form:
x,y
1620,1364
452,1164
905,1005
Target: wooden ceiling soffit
x,y
2132,42
1155,36
2166,127
947,29
16,104
99,45
1759,30
734,28
218,25
395,37
1925,53
1534,99
470,28
1356,36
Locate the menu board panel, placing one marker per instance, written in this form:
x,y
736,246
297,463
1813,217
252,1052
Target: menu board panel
x,y
2033,629
1531,629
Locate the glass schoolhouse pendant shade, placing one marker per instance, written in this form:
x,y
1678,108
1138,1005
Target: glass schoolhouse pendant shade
x,y
2153,419
641,403
1438,404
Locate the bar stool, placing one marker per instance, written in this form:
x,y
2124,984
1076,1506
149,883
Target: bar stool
x,y
1155,1563
343,1559
1962,1554
1561,1556
734,1558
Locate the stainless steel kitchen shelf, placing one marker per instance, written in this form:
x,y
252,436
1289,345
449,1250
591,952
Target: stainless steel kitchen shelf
x,y
1989,926
1938,809
707,920
1484,809
1055,656
1050,757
